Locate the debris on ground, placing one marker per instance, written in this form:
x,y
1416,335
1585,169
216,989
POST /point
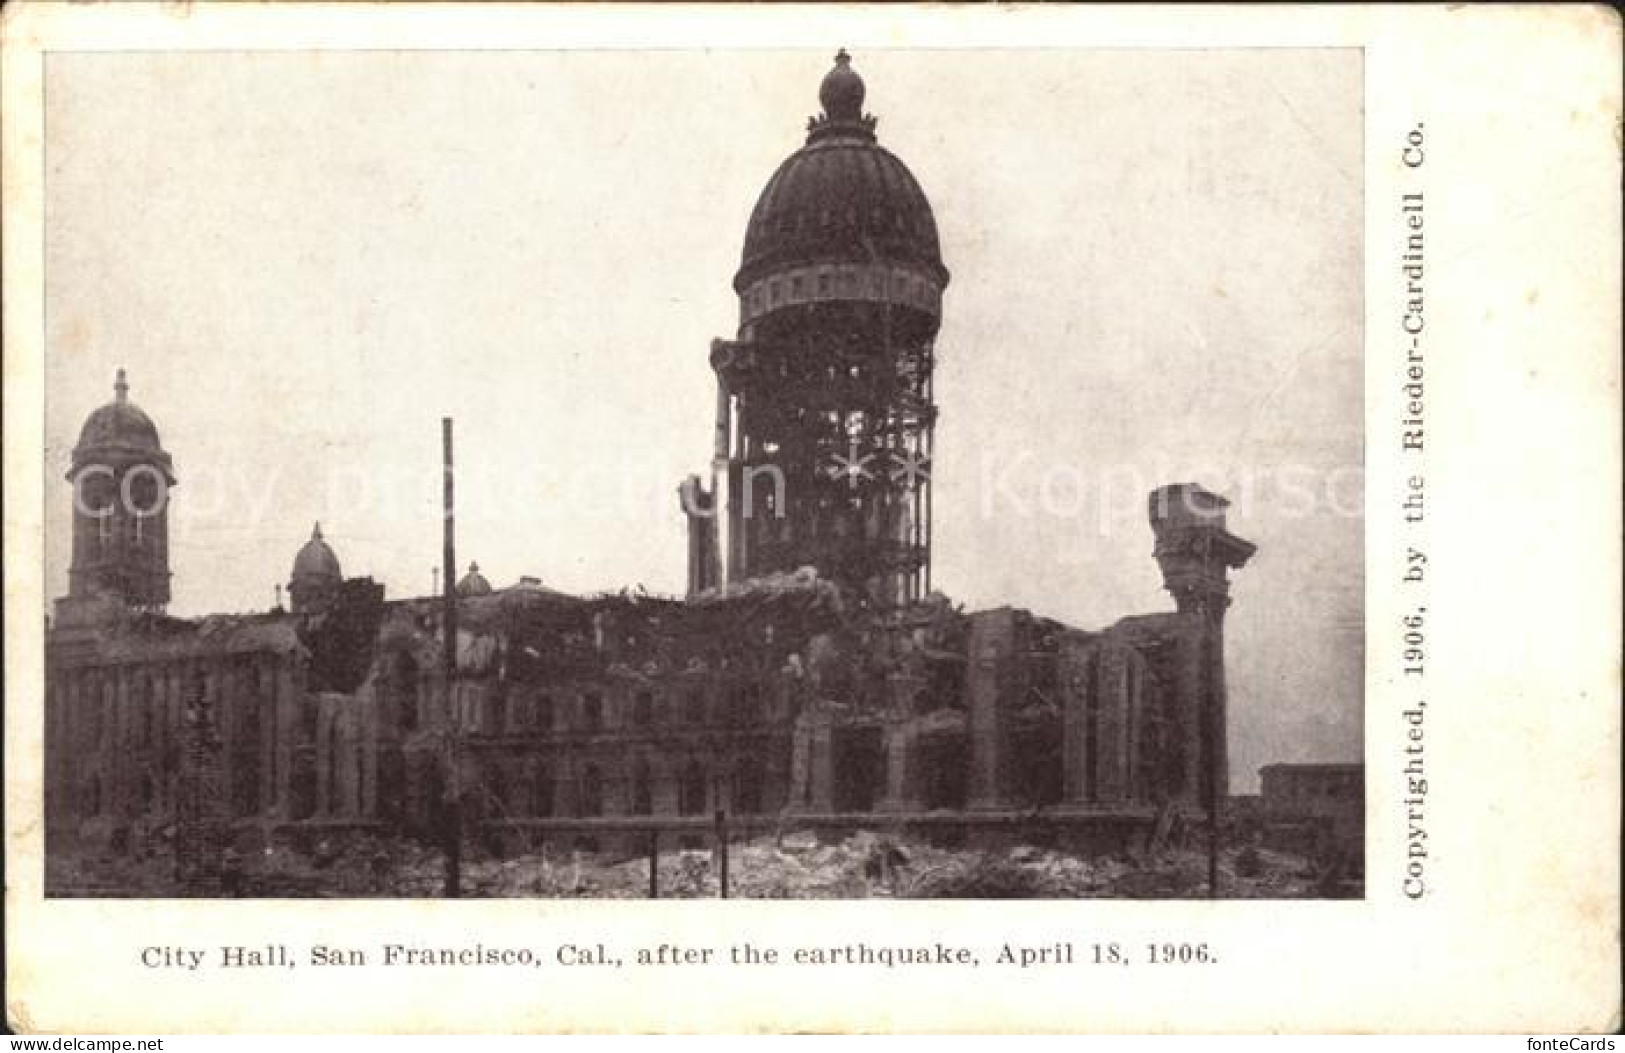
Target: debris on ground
x,y
797,865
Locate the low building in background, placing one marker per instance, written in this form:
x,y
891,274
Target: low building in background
x,y
1314,809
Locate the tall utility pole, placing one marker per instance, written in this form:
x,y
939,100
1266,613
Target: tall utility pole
x,y
1213,713
448,648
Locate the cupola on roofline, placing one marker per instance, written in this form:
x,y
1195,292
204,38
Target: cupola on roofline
x,y
316,557
474,583
842,218
316,574
120,433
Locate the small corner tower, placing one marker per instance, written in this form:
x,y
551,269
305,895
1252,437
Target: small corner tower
x,y
121,478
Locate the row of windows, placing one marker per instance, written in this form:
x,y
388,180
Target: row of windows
x,y
778,291
146,708
878,220
790,220
590,714
537,796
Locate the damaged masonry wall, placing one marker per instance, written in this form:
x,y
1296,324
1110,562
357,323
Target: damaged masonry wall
x,y
773,693
777,698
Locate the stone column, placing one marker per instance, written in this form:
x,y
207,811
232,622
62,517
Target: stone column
x,y
111,746
118,753
346,732
288,697
200,813
1076,680
265,720
989,672
800,767
226,695
1195,552
1112,723
820,768
326,759
901,768
1190,709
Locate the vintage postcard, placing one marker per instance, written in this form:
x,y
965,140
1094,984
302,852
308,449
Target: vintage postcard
x,y
499,498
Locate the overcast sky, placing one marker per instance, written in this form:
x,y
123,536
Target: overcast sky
x,y
305,260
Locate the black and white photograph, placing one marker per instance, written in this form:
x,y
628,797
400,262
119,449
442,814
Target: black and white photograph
x,y
887,473
530,518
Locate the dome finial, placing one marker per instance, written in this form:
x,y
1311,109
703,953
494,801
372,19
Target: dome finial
x,y
121,387
842,91
316,532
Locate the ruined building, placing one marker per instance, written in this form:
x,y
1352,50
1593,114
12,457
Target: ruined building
x,y
824,407
810,675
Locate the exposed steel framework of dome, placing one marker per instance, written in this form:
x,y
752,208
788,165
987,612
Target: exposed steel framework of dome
x,y
825,412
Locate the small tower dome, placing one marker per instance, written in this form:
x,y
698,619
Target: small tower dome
x,y
119,427
473,583
316,575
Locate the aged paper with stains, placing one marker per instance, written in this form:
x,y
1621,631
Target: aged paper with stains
x,y
1354,270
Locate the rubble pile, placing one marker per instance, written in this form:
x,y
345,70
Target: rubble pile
x,y
793,866
102,876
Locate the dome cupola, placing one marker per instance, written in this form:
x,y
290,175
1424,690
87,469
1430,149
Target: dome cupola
x,y
473,583
316,575
842,219
120,431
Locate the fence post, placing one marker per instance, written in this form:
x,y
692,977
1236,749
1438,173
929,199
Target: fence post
x,y
654,864
722,852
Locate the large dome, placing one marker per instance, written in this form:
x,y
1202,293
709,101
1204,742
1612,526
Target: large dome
x,y
841,199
